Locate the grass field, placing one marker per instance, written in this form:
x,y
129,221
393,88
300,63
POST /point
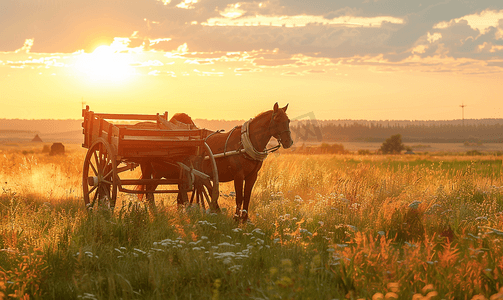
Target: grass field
x,y
323,227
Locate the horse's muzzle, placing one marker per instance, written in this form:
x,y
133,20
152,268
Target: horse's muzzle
x,y
286,143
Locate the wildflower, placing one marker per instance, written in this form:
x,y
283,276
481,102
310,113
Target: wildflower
x,y
353,228
344,200
497,296
227,260
235,268
479,297
414,205
391,295
140,251
427,288
285,281
378,296
273,271
417,297
216,286
258,230
286,262
393,286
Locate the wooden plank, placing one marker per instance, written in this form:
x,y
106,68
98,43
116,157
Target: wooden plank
x,y
110,133
102,126
164,123
131,131
166,154
126,117
85,113
90,127
159,143
129,191
150,181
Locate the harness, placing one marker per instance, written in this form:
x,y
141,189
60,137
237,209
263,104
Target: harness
x,y
246,145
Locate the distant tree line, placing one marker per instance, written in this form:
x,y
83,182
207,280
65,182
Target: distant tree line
x,y
379,132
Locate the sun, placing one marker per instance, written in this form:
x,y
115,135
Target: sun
x,y
106,63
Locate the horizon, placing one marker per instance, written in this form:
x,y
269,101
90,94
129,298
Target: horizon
x,y
293,120
230,60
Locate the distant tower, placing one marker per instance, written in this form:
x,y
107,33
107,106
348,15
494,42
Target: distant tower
x,y
463,113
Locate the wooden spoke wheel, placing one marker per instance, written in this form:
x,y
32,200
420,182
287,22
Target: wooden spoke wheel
x,y
206,185
99,176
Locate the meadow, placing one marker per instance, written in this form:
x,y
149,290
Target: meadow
x,y
322,227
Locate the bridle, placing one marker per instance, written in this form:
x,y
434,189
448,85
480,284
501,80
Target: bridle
x,y
277,135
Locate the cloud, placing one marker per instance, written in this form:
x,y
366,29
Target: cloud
x,y
291,73
41,62
28,43
300,21
395,31
187,4
482,21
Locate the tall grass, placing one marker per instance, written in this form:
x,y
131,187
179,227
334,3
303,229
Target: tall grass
x,y
323,227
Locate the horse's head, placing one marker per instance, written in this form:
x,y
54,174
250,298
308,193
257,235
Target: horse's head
x,y
280,126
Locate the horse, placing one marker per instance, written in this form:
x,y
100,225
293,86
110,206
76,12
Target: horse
x,y
253,136
243,149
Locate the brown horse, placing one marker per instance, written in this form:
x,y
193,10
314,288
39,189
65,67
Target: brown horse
x,y
240,167
253,136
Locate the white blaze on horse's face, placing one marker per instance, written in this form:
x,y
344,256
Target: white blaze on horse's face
x,y
280,126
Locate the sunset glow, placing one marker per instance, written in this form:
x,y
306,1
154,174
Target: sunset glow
x,y
231,60
105,63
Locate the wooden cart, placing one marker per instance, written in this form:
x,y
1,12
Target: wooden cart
x,y
117,143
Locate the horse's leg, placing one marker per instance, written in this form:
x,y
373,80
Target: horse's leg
x,y
238,188
249,183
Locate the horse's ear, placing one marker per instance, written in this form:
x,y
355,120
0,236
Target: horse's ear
x,y
276,107
284,108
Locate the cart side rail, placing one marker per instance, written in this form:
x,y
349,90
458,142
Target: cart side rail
x,y
95,125
138,117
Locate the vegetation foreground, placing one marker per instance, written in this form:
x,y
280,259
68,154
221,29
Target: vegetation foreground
x,y
323,227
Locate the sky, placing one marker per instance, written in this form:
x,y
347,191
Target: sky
x,y
229,59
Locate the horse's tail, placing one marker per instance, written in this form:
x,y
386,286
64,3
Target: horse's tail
x,y
142,188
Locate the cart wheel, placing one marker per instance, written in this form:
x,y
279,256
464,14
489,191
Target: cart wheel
x,y
99,175
206,186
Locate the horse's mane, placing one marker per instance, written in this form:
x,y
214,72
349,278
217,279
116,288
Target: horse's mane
x,y
263,113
